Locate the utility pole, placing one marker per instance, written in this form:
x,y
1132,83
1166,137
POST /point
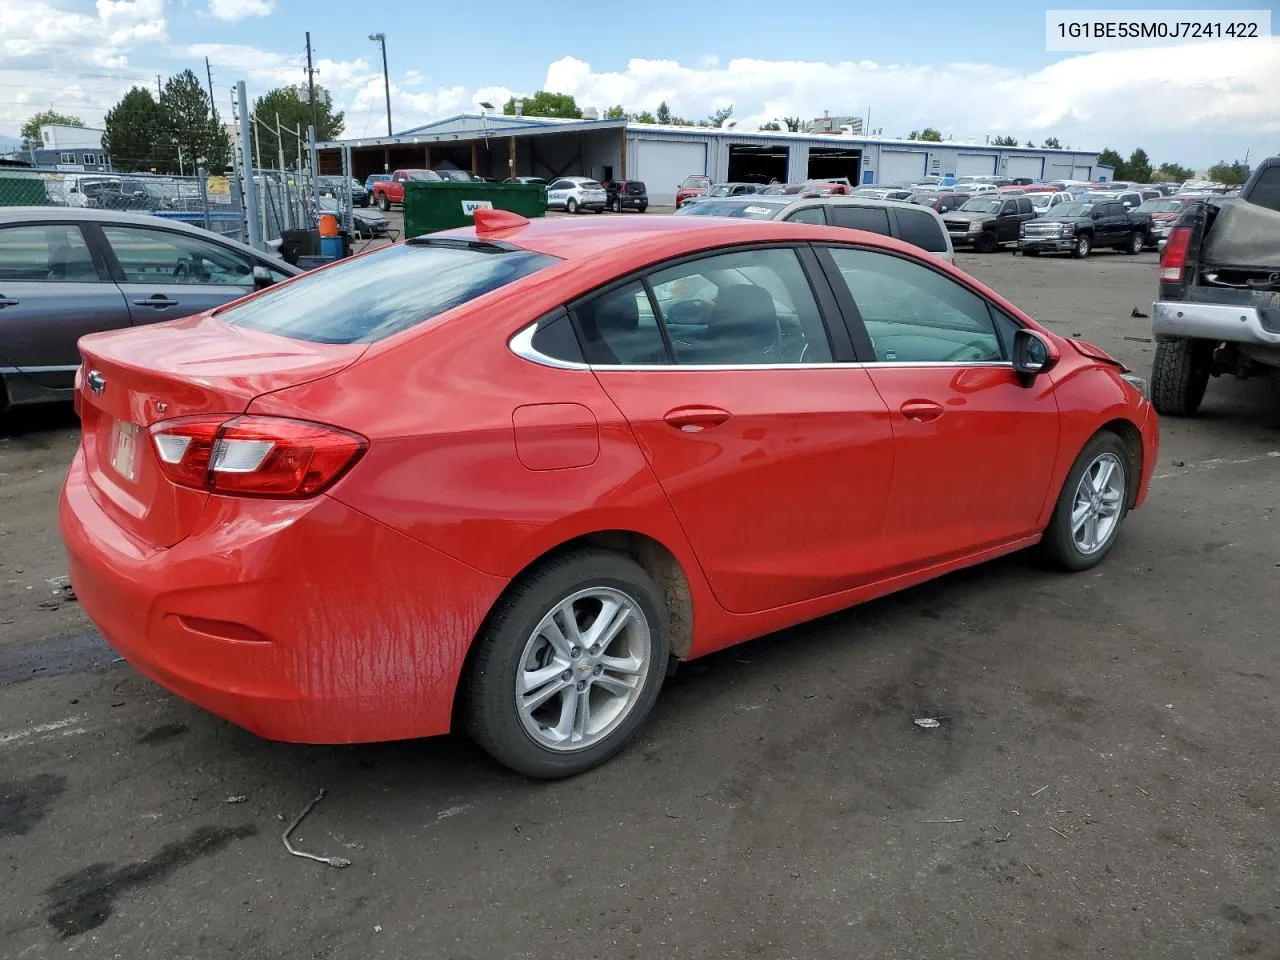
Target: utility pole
x,y
381,38
209,72
158,93
311,82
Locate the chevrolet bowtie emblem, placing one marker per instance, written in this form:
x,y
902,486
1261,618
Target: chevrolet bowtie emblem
x,y
97,382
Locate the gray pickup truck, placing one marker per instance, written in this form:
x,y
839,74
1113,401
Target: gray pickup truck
x,y
1218,307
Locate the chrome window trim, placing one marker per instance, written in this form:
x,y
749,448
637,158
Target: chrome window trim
x,y
521,344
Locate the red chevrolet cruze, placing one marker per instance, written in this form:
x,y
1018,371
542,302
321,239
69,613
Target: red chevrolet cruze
x,y
518,469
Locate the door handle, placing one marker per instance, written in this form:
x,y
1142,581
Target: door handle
x,y
157,300
695,419
7,301
921,411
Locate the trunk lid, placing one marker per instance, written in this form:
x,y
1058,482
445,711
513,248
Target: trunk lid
x,y
136,377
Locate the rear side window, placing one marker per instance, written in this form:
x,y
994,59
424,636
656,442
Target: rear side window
x,y
874,219
372,297
53,252
916,226
1266,189
806,215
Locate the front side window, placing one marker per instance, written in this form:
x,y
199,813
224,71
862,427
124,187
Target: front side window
x,y
1024,205
53,252
159,256
915,315
368,298
740,309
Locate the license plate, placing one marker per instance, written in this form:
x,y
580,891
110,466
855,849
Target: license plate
x,y
124,449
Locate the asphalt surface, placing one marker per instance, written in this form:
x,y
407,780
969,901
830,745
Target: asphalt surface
x,y
1103,780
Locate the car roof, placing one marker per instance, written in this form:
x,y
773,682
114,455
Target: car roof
x,y
37,215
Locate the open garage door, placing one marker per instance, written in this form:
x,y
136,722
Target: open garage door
x,y
663,165
1032,167
975,164
901,166
829,163
1082,173
752,164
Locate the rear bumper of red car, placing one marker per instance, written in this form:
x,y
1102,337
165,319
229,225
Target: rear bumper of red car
x,y
302,621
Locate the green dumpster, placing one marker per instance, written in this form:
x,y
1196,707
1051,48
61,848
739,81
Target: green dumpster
x,y
18,190
430,206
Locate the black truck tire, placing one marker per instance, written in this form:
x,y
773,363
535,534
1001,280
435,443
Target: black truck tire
x,y
1137,242
1179,376
1084,244
986,243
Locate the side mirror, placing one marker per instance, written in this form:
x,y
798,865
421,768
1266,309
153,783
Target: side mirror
x,y
1033,354
261,277
1097,214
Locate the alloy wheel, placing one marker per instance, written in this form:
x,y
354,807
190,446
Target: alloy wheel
x,y
1098,503
582,669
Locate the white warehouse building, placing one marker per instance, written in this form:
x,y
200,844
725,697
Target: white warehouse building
x,y
663,156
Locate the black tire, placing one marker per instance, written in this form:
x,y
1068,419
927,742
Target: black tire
x,y
599,209
1179,376
1058,544
644,208
1083,247
986,243
1031,252
571,205
491,713
1137,241
383,203
617,205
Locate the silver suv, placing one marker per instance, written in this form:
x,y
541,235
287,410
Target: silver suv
x,y
572,194
907,222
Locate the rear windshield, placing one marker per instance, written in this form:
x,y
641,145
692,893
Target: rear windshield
x,y
696,181
751,210
635,186
372,297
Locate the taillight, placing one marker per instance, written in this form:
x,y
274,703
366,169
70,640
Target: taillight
x,y
1174,257
254,456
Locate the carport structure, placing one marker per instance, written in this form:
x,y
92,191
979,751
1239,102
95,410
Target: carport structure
x,y
489,146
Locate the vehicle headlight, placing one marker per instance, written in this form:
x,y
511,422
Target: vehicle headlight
x,y
1067,228
975,227
1136,382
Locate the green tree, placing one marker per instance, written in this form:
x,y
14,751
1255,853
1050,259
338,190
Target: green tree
x,y
928,133
1030,144
617,112
543,103
1230,174
1138,169
644,116
718,117
1110,158
192,134
783,125
290,104
30,132
1004,141
1051,143
1174,173
134,127
663,113
794,124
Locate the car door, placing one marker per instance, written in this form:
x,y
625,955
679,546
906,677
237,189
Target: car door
x,y
54,289
558,192
1007,221
974,448
1026,212
166,274
775,455
1114,224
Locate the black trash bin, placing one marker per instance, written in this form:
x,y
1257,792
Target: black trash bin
x,y
299,243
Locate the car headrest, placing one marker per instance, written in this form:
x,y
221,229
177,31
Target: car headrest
x,y
617,313
744,322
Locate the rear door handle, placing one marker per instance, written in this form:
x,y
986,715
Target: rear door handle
x,y
7,301
921,411
157,300
695,419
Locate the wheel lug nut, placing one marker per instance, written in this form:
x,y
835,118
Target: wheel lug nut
x,y
575,651
598,670
582,684
567,675
595,649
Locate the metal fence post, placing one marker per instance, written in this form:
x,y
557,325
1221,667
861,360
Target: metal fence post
x,y
315,172
250,189
203,178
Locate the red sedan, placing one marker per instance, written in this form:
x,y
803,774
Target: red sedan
x,y
508,474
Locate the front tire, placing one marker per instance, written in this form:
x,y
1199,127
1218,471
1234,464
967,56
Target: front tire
x,y
617,205
644,208
1179,376
384,204
1083,247
571,205
1092,505
569,664
986,243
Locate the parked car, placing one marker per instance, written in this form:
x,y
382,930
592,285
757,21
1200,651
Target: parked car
x,y
628,195
1130,199
835,186
66,274
1164,213
908,222
366,222
572,194
719,190
535,180
333,187
569,457
387,193
1217,312
370,180
883,193
111,195
1044,203
938,202
693,185
988,221
1079,227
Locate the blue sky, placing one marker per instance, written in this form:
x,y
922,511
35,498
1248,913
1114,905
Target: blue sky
x,y
973,71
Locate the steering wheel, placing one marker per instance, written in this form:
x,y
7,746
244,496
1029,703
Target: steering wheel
x,y
689,311
974,351
182,271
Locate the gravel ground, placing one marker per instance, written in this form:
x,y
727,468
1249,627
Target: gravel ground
x,y
1104,782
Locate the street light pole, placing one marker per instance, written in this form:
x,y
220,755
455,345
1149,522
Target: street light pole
x,y
381,39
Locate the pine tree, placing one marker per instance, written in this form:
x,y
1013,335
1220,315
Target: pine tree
x,y
133,129
1138,168
193,137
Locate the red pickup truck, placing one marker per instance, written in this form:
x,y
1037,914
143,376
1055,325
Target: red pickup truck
x,y
387,192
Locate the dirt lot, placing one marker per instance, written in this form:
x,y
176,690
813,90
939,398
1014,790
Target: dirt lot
x,y
1105,783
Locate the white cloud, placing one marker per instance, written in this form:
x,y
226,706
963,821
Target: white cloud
x,y
233,11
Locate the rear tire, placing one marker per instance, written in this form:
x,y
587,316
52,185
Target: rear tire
x,y
1137,241
1179,376
1083,247
1079,546
516,645
617,206
384,204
